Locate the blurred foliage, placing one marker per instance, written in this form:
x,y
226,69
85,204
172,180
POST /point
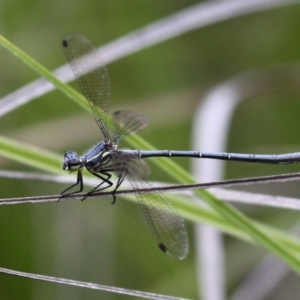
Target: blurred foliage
x,y
95,241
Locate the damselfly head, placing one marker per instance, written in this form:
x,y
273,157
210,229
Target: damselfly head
x,y
72,161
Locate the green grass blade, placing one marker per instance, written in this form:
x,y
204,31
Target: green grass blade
x,y
41,70
30,155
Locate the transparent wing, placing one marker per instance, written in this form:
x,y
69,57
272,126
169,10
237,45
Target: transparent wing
x,y
139,168
127,122
91,74
165,223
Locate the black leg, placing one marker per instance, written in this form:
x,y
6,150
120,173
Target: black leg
x,y
123,173
118,168
104,180
79,181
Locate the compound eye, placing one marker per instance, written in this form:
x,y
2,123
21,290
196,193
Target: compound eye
x,y
70,155
71,161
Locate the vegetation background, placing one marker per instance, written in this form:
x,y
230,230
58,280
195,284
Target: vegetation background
x,y
95,241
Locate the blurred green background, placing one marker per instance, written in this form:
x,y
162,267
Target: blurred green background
x,y
95,241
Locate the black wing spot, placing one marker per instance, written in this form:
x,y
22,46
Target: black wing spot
x,y
162,247
65,43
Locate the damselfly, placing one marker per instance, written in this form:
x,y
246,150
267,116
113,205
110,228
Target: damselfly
x,y
105,158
